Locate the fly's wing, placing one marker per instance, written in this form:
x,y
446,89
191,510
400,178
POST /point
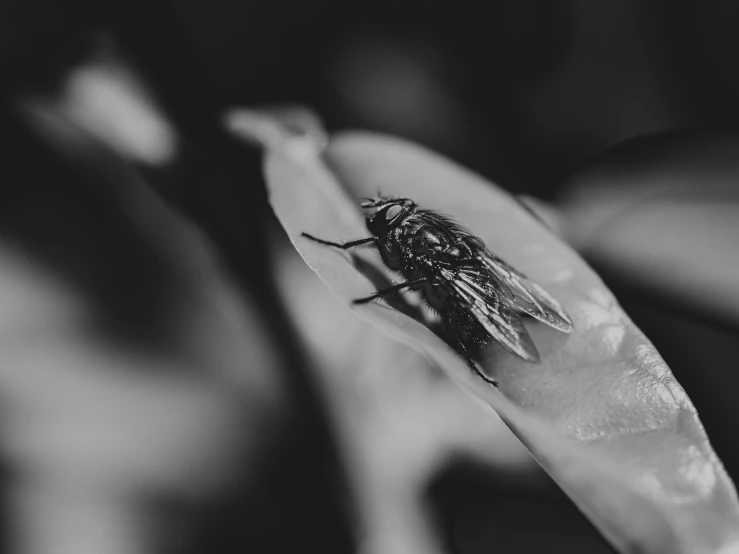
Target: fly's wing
x,y
471,290
524,296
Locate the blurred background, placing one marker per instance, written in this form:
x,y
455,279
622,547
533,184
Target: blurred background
x,y
171,371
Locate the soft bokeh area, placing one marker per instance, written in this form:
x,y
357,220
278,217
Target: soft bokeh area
x,y
173,376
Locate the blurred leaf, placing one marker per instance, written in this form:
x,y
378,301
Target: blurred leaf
x,y
661,212
602,413
136,378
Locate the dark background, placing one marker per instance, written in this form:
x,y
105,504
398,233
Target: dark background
x,y
522,91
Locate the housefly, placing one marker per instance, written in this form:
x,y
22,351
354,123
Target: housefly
x,y
478,296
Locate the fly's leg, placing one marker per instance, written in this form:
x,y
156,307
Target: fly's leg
x,y
389,290
465,355
344,246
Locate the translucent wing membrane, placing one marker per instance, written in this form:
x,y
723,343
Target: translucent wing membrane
x,y
525,296
492,311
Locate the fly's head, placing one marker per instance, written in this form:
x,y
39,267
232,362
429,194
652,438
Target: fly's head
x,y
386,213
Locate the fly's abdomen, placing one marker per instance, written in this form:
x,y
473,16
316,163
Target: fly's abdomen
x,y
463,328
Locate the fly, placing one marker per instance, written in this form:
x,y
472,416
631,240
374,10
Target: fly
x,y
478,296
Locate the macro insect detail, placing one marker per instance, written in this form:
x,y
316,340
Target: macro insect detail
x,y
477,295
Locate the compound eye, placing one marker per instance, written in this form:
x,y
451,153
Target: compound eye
x,y
392,212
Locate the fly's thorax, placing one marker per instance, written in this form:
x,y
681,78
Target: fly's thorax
x,y
441,247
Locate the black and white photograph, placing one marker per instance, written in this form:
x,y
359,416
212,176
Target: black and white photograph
x,y
352,277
